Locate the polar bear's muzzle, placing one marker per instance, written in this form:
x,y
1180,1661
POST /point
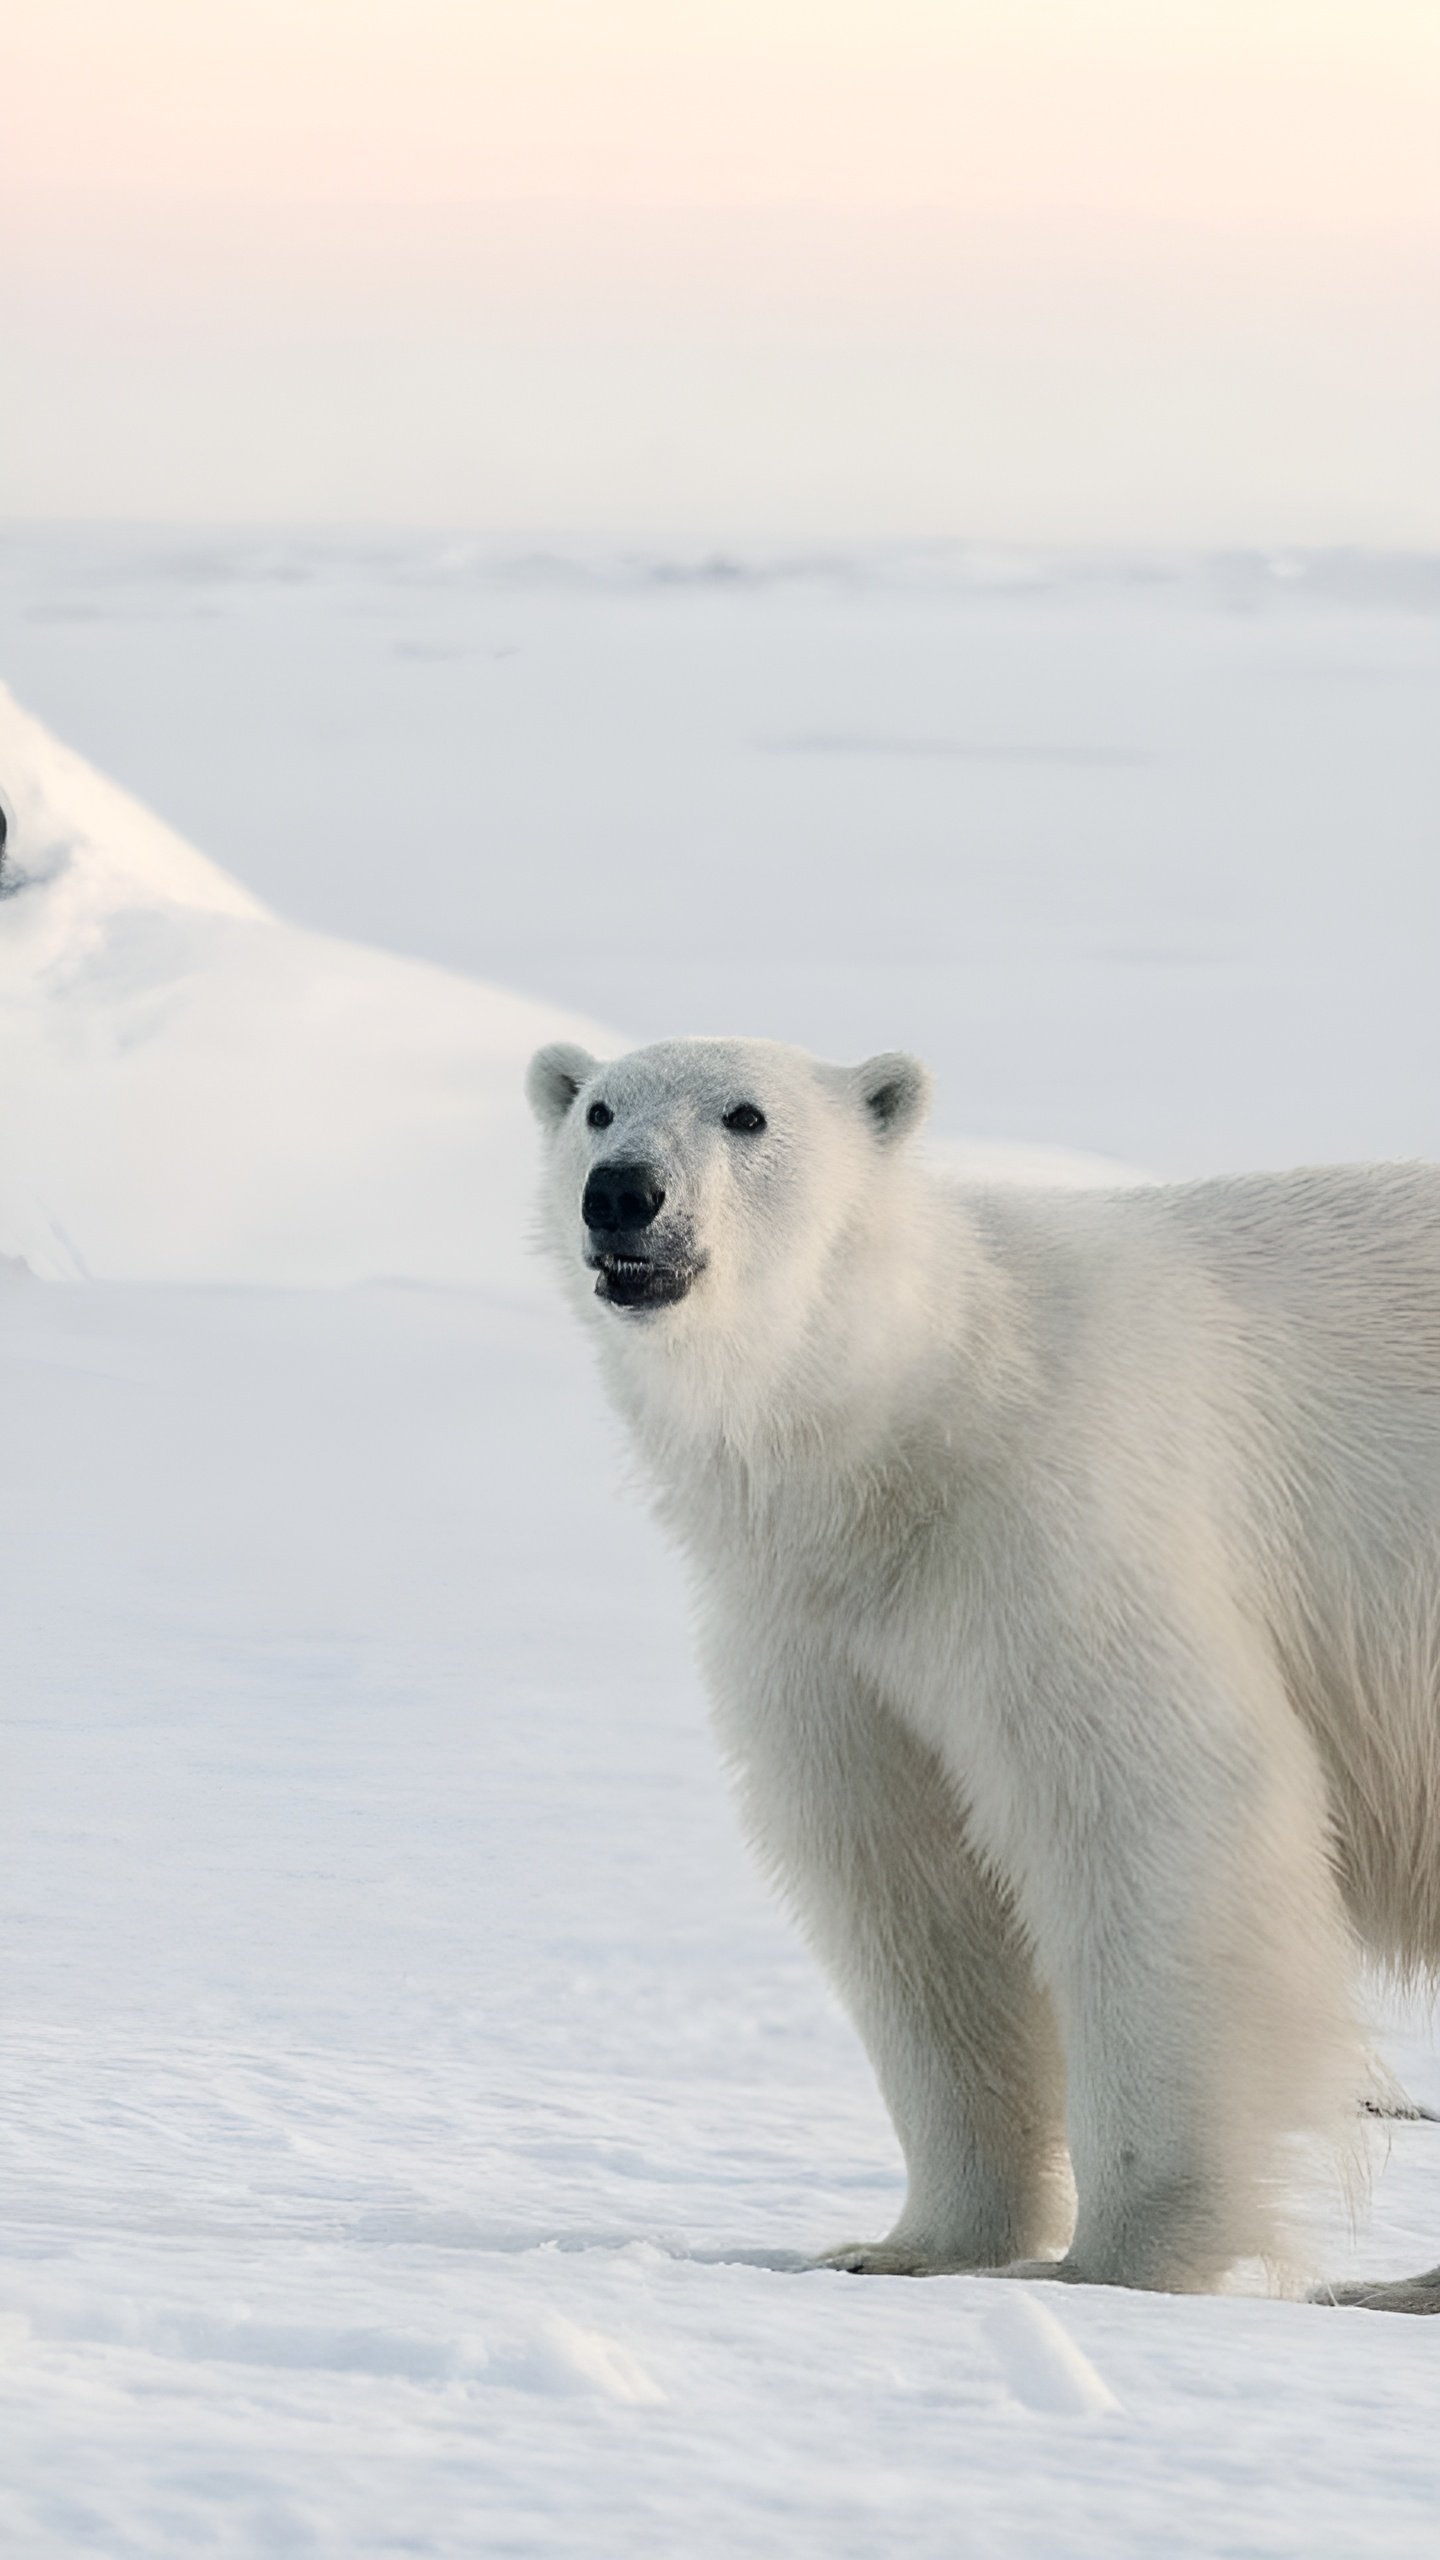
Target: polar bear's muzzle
x,y
637,1263
628,1280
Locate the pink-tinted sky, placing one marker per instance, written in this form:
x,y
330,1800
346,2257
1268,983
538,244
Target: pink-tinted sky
x,y
1101,269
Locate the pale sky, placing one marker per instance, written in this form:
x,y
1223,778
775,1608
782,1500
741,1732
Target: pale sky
x,y
1134,270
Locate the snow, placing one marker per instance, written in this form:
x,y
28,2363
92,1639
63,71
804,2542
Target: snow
x,y
200,1092
415,2112
1140,857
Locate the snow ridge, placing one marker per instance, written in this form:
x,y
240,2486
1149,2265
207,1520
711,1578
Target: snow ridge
x,y
200,1092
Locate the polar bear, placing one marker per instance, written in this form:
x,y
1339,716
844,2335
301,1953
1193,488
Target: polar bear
x,y
1068,1569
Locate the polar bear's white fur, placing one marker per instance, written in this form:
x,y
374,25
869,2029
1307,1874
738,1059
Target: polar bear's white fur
x,y
1069,1576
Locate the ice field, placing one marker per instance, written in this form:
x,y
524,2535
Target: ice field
x,y
414,2112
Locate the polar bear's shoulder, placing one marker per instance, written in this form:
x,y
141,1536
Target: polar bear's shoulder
x,y
1344,1257
1371,1230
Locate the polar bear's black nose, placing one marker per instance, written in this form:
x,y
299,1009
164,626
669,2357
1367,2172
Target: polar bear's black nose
x,y
620,1197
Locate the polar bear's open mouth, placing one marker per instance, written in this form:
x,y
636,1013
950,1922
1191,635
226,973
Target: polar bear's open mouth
x,y
627,1280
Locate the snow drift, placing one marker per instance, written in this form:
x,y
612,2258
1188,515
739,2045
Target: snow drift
x,y
197,1091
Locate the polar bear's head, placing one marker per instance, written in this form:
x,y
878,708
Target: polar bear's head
x,y
709,1188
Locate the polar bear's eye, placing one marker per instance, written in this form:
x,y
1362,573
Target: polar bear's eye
x,y
745,1119
599,1115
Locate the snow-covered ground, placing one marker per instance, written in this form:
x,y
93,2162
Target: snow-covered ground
x,y
412,2107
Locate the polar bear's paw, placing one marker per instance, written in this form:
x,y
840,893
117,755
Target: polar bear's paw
x,y
891,2258
1412,2293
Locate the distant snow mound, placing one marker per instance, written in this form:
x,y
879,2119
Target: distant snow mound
x,y
195,1091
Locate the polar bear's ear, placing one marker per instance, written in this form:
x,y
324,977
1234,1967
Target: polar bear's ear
x,y
553,1079
895,1091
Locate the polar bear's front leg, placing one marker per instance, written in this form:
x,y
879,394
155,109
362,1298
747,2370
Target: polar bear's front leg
x,y
1167,1843
861,1828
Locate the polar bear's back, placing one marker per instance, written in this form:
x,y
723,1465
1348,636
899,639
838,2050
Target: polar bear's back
x,y
1347,1254
1330,1272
